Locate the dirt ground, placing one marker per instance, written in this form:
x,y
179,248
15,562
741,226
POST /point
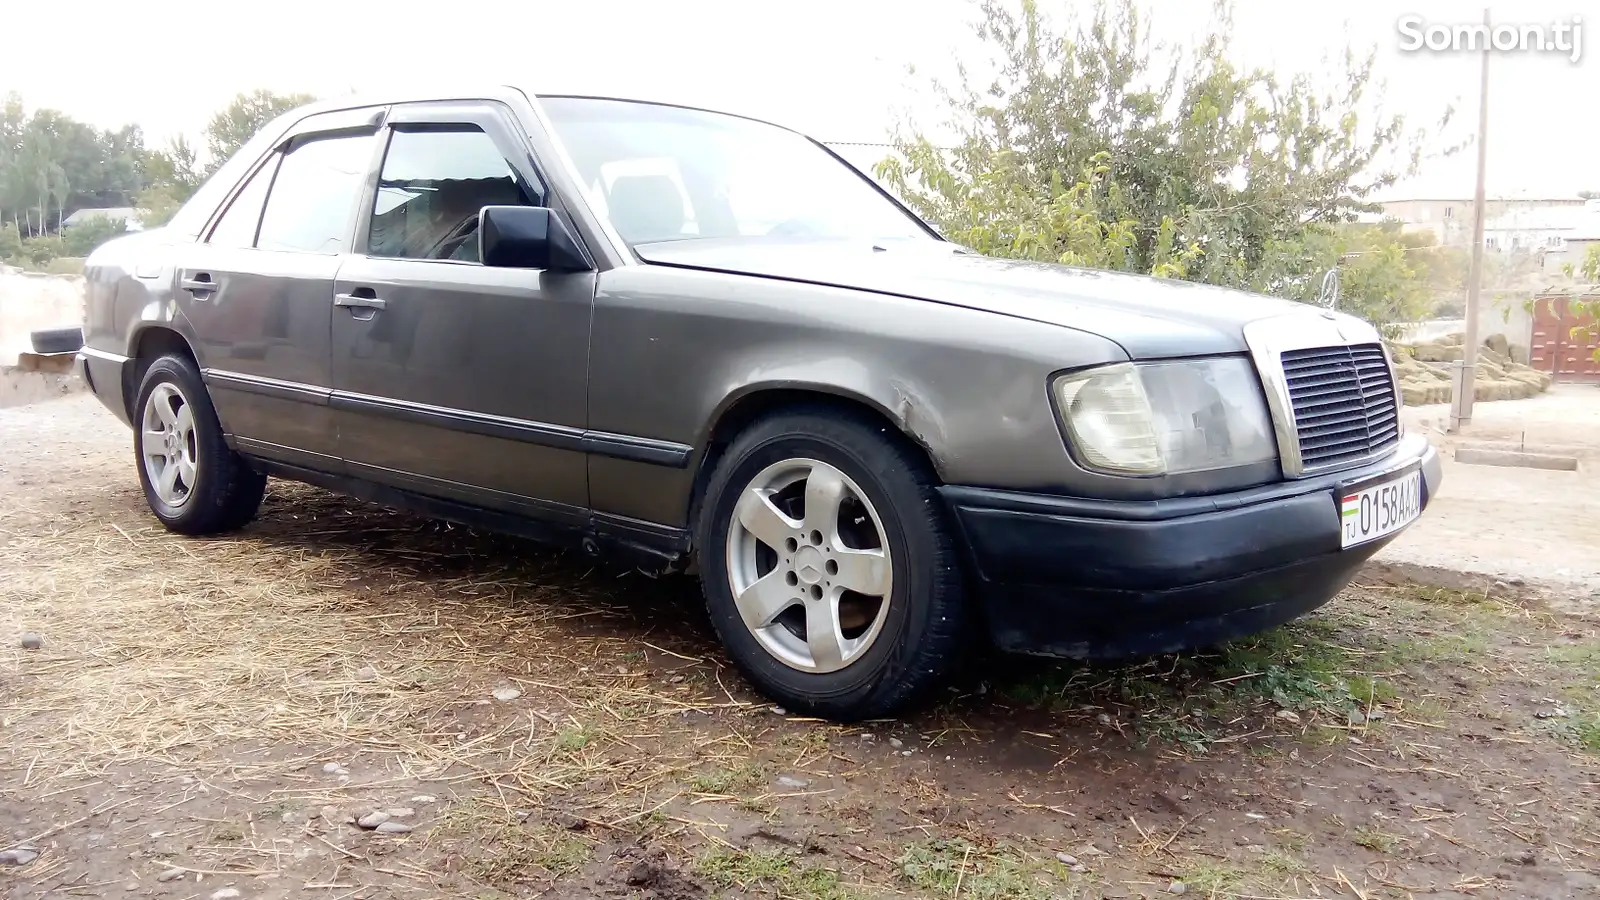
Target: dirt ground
x,y
20,388
205,718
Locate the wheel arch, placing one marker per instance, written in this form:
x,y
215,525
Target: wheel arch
x,y
743,408
145,346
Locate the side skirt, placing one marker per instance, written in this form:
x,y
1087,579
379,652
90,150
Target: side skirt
x,y
654,548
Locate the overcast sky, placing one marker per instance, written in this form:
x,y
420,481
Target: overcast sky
x,y
833,68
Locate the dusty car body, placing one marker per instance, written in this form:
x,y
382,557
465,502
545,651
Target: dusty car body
x,y
570,319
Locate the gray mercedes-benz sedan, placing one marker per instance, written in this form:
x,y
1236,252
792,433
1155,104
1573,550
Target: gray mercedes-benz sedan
x,y
695,341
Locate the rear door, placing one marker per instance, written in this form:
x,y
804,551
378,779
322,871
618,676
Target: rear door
x,y
258,288
453,379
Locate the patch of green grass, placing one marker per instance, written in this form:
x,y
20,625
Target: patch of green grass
x,y
1587,734
1318,664
938,866
775,871
1280,863
805,743
573,738
1365,689
1211,879
1583,658
505,852
1461,647
1441,596
742,777
1579,664
1427,710
1188,735
1375,839
1304,666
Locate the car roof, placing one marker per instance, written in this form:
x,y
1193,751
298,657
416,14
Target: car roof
x,y
489,91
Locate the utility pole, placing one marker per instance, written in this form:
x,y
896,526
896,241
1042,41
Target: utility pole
x,y
1464,388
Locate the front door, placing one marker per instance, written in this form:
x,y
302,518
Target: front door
x,y
258,290
453,379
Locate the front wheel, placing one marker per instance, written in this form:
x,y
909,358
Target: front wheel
x,y
192,481
828,568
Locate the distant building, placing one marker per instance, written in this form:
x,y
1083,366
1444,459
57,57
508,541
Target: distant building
x,y
1575,247
1450,220
1543,229
127,214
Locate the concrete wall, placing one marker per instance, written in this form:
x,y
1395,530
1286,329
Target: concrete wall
x,y
1508,314
30,302
1505,314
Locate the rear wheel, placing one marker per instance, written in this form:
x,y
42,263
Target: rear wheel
x,y
828,568
192,481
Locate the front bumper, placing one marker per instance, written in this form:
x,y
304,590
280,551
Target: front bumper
x,y
1084,579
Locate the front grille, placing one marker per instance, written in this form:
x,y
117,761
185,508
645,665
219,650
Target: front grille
x,y
1344,403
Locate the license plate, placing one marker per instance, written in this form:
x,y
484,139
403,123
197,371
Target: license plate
x,y
1369,513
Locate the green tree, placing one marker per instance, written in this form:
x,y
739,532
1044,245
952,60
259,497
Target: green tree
x,y
51,164
159,203
1090,144
81,239
13,186
172,174
41,249
174,164
1586,271
10,242
242,118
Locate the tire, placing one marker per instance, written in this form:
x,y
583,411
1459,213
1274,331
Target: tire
x,y
911,644
213,489
57,340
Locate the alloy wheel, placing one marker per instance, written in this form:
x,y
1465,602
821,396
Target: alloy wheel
x,y
809,565
168,444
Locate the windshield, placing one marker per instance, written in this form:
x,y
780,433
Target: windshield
x,y
662,173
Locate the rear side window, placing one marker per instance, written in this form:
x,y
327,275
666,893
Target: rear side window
x,y
237,227
312,197
433,184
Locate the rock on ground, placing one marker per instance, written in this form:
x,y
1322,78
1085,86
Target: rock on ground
x,y
19,856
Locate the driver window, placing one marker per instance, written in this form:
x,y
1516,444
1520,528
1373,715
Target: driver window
x,y
432,186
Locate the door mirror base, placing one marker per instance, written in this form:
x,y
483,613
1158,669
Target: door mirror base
x,y
528,237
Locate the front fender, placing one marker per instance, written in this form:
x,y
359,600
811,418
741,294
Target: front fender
x,y
674,350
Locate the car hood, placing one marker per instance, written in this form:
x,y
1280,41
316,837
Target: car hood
x,y
1149,317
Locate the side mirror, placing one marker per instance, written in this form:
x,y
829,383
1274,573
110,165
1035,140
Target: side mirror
x,y
527,237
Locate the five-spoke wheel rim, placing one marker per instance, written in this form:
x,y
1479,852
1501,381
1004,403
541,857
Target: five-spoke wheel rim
x,y
809,565
168,444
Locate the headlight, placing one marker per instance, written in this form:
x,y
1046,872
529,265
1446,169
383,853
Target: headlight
x,y
1164,418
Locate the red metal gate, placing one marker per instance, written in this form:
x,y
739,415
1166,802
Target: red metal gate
x,y
1554,349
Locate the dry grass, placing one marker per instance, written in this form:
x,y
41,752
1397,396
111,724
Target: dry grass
x,y
333,632
162,650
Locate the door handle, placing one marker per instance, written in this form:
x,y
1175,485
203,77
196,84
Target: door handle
x,y
197,284
360,301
